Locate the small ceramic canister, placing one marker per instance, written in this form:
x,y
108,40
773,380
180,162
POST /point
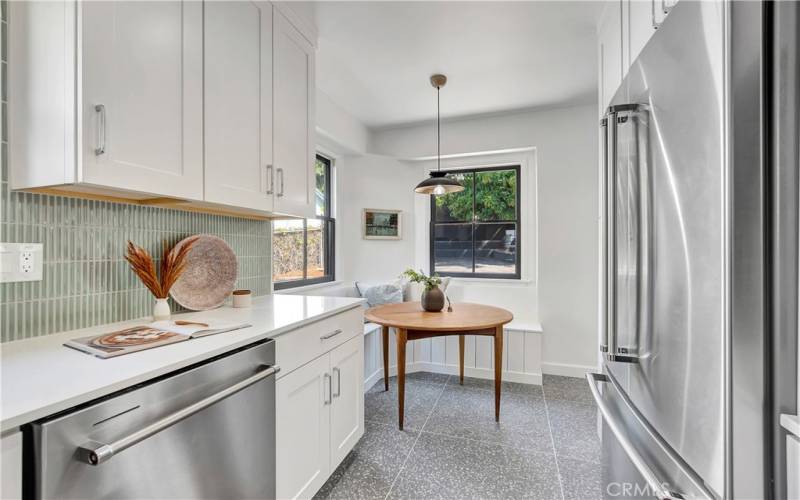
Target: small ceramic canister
x,y
242,298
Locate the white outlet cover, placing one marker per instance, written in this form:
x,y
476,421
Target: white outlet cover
x,y
21,262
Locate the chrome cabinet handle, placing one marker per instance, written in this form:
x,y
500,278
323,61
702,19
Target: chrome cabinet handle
x,y
658,488
94,453
327,400
338,382
101,129
332,334
270,179
280,181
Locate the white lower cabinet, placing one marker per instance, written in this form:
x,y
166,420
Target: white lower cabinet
x,y
320,417
347,402
303,430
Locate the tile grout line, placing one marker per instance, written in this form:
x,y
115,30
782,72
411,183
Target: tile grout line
x,y
553,442
419,433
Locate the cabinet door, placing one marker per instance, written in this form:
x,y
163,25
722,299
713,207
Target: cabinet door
x,y
294,119
238,103
303,430
347,409
610,38
640,26
142,96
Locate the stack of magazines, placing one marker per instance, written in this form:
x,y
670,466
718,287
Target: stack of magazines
x,y
156,334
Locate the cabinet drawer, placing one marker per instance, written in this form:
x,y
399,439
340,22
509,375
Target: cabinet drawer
x,y
298,347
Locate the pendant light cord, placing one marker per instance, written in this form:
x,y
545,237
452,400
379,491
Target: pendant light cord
x,y
438,133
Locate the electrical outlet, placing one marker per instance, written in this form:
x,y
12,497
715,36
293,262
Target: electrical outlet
x,y
21,262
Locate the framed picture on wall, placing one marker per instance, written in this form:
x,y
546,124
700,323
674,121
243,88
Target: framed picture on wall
x,y
378,224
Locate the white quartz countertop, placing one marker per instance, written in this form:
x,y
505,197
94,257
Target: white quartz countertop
x,y
40,376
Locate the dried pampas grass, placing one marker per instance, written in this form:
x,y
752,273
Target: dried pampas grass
x,y
173,263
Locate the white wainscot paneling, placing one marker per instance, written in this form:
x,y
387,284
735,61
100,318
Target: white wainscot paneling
x,y
522,356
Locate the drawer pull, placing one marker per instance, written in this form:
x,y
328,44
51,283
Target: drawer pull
x,y
331,335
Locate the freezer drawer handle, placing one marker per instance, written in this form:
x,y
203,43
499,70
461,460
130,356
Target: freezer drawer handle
x,y
652,481
94,453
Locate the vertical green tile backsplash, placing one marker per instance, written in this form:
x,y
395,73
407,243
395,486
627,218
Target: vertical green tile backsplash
x,y
86,281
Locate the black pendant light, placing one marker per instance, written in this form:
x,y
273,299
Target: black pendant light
x,y
438,183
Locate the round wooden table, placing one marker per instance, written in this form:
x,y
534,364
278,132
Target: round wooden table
x,y
413,323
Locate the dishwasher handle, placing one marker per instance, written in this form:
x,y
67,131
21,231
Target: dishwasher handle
x,y
94,453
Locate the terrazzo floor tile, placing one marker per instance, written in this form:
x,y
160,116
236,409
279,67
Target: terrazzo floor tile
x,y
420,398
433,378
574,427
567,388
369,470
488,385
469,413
462,453
580,480
445,467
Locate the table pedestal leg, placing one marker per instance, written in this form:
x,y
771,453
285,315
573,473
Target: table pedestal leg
x,y
498,370
461,359
401,373
385,342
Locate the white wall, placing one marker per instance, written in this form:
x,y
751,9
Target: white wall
x,y
339,132
565,141
372,181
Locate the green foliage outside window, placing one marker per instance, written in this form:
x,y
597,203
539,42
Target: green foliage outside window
x,y
495,197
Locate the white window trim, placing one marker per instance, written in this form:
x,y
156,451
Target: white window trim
x,y
529,209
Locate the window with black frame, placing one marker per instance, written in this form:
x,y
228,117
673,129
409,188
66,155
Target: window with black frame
x,y
476,232
302,249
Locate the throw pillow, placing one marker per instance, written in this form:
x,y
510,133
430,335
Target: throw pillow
x,y
383,293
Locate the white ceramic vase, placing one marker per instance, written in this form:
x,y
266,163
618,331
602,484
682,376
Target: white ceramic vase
x,y
161,310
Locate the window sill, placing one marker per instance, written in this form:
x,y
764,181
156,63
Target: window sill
x,y
307,288
495,281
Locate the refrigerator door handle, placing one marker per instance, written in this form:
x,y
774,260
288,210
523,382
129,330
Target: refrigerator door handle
x,y
605,308
656,486
616,114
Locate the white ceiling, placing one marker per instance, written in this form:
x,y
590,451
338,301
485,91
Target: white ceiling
x,y
375,58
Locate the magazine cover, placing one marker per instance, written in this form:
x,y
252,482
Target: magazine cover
x,y
140,337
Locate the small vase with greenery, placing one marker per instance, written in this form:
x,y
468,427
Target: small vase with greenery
x,y
432,297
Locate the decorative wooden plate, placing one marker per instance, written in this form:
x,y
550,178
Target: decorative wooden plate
x,y
210,274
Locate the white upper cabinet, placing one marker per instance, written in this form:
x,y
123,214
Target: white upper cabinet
x,y
293,77
640,26
142,96
641,19
625,28
134,88
610,52
238,104
187,103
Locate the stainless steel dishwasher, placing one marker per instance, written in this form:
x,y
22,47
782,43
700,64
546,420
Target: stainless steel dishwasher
x,y
207,431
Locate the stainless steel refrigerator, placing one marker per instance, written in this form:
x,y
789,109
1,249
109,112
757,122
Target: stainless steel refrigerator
x,y
699,251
